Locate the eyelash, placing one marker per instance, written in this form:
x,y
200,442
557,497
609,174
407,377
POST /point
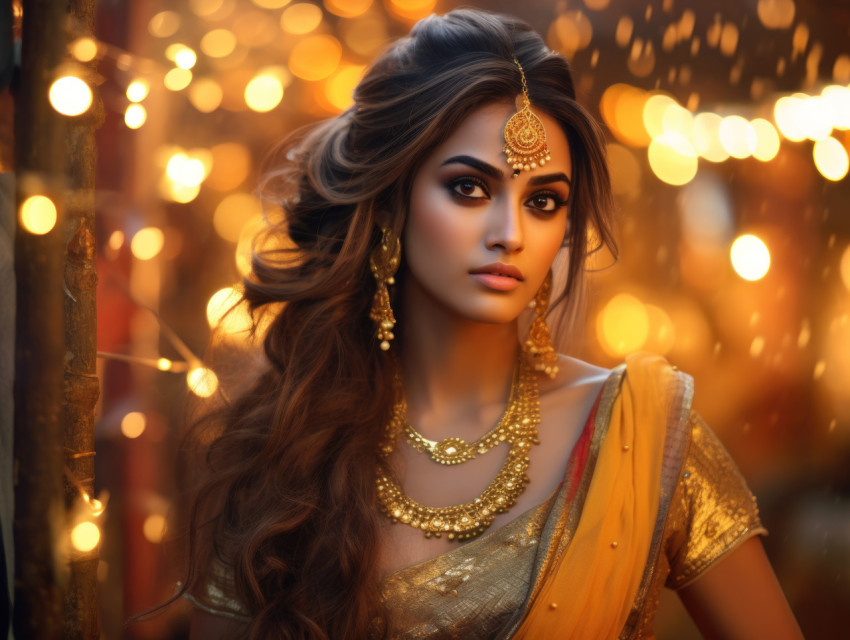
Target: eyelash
x,y
453,184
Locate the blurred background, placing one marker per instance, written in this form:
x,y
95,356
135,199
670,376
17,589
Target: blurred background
x,y
728,125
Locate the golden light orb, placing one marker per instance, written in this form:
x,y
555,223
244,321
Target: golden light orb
x,y
38,215
231,166
315,57
116,240
178,192
831,159
154,528
164,364
838,99
218,43
233,213
147,243
84,49
70,96
776,14
737,136
706,137
653,112
202,381
185,170
672,159
263,92
410,9
339,88
202,8
301,18
135,116
767,140
623,325
138,90
750,257
622,109
271,4
787,113
815,118
177,79
185,58
365,36
85,536
205,94
347,8
164,24
133,424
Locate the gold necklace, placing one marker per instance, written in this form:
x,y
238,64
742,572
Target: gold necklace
x,y
513,424
464,521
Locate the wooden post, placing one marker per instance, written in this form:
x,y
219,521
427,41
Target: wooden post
x,y
82,387
39,525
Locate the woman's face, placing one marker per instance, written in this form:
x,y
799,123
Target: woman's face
x,y
479,241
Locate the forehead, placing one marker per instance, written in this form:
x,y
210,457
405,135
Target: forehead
x,y
482,135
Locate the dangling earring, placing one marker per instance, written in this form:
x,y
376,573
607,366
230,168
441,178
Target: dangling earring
x,y
384,262
538,344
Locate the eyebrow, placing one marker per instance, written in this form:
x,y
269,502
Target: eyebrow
x,y
494,172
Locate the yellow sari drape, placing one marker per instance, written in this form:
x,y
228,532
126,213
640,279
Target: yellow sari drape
x,y
588,593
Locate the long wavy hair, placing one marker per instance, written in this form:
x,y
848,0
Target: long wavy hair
x,y
286,499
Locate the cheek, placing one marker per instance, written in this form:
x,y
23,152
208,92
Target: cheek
x,y
433,228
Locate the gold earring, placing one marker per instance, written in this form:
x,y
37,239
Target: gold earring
x,y
384,262
538,344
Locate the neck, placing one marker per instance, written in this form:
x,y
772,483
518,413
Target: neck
x,y
454,369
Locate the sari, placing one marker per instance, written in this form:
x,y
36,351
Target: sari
x,y
650,498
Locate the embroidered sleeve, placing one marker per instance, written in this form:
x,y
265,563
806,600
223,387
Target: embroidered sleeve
x,y
713,510
216,594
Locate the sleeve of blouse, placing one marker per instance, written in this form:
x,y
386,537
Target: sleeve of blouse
x,y
713,510
216,595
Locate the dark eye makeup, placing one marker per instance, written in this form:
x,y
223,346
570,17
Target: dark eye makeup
x,y
470,188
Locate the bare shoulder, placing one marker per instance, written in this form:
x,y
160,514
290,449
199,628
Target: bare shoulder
x,y
574,374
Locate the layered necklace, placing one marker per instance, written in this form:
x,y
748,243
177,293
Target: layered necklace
x,y
517,427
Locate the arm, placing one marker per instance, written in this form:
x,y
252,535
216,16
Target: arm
x,y
740,599
206,626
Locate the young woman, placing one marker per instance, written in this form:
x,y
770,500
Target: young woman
x,y
416,460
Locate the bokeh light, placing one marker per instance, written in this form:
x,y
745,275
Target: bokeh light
x,y
228,313
271,4
737,136
301,18
137,90
838,100
767,140
653,112
203,8
85,536
570,32
205,94
410,9
230,167
218,43
622,325
177,79
70,96
264,92
672,159
154,528
831,159
661,335
233,213
133,424
164,24
135,116
185,58
315,57
340,86
255,29
178,192
202,381
622,109
84,49
164,364
364,36
116,240
347,8
706,137
185,170
750,257
147,243
38,215
786,114
776,14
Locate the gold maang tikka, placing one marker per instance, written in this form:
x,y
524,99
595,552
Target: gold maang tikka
x,y
525,138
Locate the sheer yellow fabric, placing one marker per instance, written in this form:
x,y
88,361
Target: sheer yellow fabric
x,y
591,593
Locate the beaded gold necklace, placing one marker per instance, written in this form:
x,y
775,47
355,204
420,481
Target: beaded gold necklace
x,y
518,427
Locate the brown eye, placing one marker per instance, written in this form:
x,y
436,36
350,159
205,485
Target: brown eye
x,y
468,188
547,202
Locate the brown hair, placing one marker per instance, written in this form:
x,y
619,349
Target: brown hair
x,y
287,496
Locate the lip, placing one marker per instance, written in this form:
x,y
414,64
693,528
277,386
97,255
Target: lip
x,y
498,276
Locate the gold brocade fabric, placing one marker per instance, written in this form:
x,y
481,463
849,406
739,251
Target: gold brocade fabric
x,y
478,589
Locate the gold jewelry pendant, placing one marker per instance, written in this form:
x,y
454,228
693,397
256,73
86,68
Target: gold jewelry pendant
x,y
525,137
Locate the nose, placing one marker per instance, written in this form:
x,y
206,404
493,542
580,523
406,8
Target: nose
x,y
504,230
